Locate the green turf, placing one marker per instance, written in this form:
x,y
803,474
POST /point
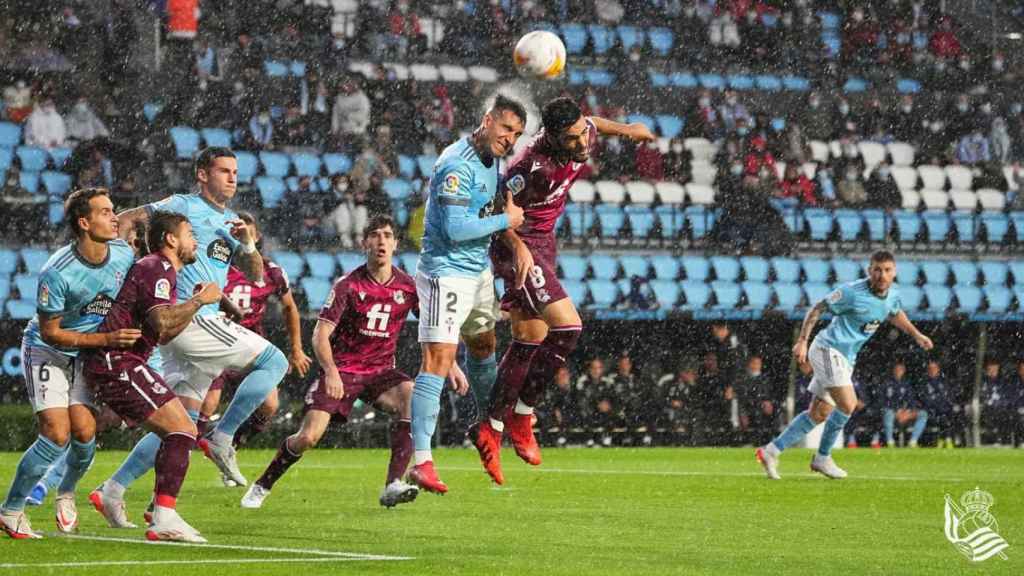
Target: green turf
x,y
585,511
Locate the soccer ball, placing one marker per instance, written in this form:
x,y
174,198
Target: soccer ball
x,y
540,55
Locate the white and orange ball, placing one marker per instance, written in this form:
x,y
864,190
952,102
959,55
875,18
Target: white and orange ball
x,y
540,55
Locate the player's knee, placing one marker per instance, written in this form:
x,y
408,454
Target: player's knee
x,y
57,436
84,435
564,339
305,440
270,405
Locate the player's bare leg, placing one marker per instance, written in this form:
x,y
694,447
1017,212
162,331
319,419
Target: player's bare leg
x,y
437,361
314,424
397,401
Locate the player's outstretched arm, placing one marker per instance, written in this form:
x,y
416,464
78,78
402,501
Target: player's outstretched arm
x,y
810,321
637,131
333,385
54,335
170,320
297,359
900,321
248,259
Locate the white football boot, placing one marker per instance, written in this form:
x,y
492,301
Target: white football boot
x,y
255,496
398,492
66,513
223,455
827,466
768,456
168,525
16,525
113,509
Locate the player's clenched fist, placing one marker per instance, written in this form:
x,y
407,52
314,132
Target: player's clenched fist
x,y
209,293
515,213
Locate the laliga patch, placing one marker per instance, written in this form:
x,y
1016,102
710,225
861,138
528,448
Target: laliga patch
x,y
330,299
44,295
835,296
516,184
162,290
451,183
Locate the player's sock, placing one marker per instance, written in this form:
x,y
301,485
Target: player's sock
x,y
32,466
426,403
202,425
56,472
919,425
268,370
256,424
889,425
796,430
171,466
833,426
401,449
549,357
515,365
79,458
139,461
523,408
482,372
282,461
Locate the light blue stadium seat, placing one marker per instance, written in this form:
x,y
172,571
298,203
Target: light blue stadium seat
x,y
965,272
297,68
697,294
58,156
185,140
32,159
968,298
275,164
291,262
576,77
755,268
1017,269
275,69
876,221
599,77
55,211
575,37
816,292
21,309
6,159
833,45
786,269
409,261
150,110
605,293
846,270
935,272
701,220
602,37
10,135
643,118
796,83
670,125
633,265
759,295
34,259
581,219
768,83
574,266
9,262
248,166
665,267
711,81
994,272
5,288
406,166
939,297
908,86
816,270
397,189
697,268
658,79
576,290
1018,224
964,223
641,220
27,285
672,220
855,85
605,267
996,226
727,294
316,290
321,264
850,223
611,218
684,80
740,82
910,297
29,181
216,137
999,299
666,292
907,272
726,268
306,164
908,224
788,295
337,163
937,223
57,184
661,39
349,261
819,222
425,163
630,36
271,190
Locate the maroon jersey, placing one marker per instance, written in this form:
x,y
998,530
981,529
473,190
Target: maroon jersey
x,y
151,282
540,185
251,297
368,317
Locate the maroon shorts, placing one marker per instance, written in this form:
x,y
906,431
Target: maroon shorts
x,y
127,385
365,387
228,380
542,286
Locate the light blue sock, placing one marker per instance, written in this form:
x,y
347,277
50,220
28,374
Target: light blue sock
x,y
56,472
833,426
919,424
482,372
426,403
79,459
268,370
33,465
888,423
142,458
796,430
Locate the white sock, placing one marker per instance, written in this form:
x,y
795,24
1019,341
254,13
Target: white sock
x,y
221,438
523,408
113,490
162,514
421,456
772,449
497,425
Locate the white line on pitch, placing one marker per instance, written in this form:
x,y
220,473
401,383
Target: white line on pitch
x,y
333,554
175,562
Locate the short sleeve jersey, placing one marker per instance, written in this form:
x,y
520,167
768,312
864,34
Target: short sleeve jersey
x,y
857,314
252,297
150,284
80,292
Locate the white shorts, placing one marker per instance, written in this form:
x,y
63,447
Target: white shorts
x,y
206,347
53,380
831,370
451,305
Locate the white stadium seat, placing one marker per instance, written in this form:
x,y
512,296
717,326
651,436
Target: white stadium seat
x,y
1010,180
873,153
934,199
902,153
963,199
610,191
991,199
670,192
483,73
906,178
960,177
911,199
700,194
819,151
810,169
932,177
452,73
703,173
582,191
640,192
424,73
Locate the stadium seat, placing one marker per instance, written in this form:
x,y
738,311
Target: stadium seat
x,y
758,294
702,149
932,177
665,267
908,225
937,223
406,167
349,261
872,153
9,262
999,299
905,177
574,267
968,298
1017,218
740,82
29,181
965,200
788,295
846,270
697,294
910,297
321,264
575,37
316,290
908,86
991,199
725,267
700,193
819,151
940,298
996,225
910,199
6,160
271,190
936,272
902,154
337,163
32,159
397,189
275,69
633,265
21,309
703,174
582,191
604,267
610,191
581,219
641,220
934,199
850,223
275,164
683,80
960,177
35,258
711,81
666,292
671,192
306,164
290,262
10,135
816,270
796,83
819,222
599,77
55,212
601,37
409,262
907,272
855,85
787,270
816,292
643,119
605,293
697,268
876,223
27,285
216,137
630,36
727,294
965,272
57,184
576,290
965,228
701,220
5,288
768,83
670,126
1017,269
248,166
755,268
672,220
611,219
640,192
185,140
993,273
661,40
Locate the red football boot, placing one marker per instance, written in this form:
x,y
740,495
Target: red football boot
x,y
520,431
424,476
488,443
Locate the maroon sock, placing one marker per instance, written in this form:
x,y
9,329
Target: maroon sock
x,y
512,371
401,449
171,466
202,425
282,461
256,424
550,356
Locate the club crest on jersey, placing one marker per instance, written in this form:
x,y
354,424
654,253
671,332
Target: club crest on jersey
x,y
166,264
362,295
44,295
399,297
162,289
517,184
219,252
451,183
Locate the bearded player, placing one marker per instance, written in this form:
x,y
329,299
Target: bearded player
x,y
545,323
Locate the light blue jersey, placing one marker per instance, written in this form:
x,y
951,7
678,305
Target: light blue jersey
x,y
215,245
458,226
857,315
79,292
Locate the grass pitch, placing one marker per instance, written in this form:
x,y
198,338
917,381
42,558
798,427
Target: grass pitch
x,y
584,511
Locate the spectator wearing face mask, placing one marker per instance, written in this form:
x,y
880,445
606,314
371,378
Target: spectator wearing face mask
x,y
881,188
83,124
1000,139
44,127
843,120
851,189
